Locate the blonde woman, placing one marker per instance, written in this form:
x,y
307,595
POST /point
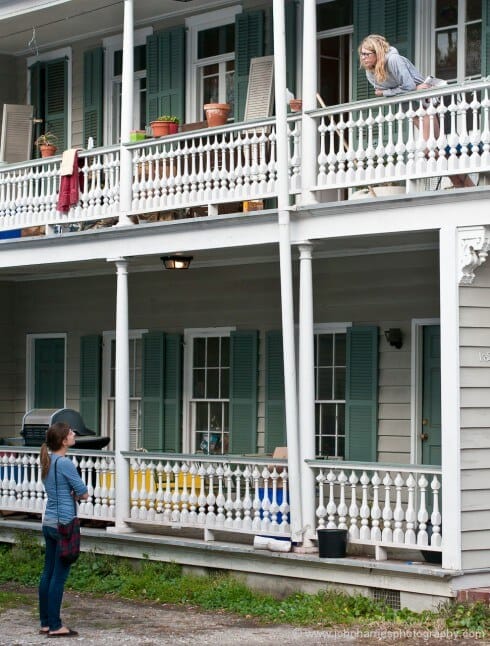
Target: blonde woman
x,y
63,486
390,74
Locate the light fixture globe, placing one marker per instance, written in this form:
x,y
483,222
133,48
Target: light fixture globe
x,y
176,261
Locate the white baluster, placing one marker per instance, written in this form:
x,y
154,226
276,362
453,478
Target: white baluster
x,y
342,507
410,515
387,533
321,510
364,513
211,498
353,507
422,516
375,508
399,516
435,517
331,506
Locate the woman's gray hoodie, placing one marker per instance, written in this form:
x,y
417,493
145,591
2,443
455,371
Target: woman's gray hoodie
x,y
402,75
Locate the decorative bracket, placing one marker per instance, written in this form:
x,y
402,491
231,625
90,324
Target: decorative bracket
x,y
474,244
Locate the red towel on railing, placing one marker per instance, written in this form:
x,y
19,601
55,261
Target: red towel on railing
x,y
70,186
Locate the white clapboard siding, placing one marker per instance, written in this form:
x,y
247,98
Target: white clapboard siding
x,y
16,143
260,88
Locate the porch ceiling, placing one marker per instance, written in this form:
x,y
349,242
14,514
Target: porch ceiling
x,y
41,268
60,22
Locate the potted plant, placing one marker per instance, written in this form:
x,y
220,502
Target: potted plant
x,y
47,144
165,125
216,113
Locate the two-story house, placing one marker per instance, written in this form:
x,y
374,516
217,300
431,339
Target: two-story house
x,y
354,332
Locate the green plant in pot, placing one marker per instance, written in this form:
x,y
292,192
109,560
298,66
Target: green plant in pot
x,y
47,144
165,125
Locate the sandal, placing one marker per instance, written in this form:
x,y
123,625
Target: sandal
x,y
70,633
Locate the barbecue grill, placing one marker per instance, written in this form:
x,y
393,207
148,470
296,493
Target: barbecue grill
x,y
37,421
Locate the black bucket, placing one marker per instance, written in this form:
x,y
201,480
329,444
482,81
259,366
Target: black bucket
x,y
332,543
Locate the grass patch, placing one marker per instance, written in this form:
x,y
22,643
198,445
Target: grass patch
x,y
12,600
164,583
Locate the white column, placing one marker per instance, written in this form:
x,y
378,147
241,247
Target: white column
x,y
122,395
310,85
306,388
287,310
127,103
450,400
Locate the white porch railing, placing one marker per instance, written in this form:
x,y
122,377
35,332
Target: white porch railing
x,y
22,490
211,166
380,505
29,191
228,493
374,141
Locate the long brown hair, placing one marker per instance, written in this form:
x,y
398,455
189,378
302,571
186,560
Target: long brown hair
x,y
55,435
380,46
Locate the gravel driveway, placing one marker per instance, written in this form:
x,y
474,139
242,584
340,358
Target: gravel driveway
x,y
106,620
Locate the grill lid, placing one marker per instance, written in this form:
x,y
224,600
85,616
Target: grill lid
x,y
48,416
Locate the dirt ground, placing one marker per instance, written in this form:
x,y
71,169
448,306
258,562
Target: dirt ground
x,y
106,620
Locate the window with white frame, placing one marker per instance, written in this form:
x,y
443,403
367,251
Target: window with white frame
x,y
330,371
207,386
113,85
458,39
211,60
135,386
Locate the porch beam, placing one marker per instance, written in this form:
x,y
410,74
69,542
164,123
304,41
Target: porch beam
x,y
450,397
286,274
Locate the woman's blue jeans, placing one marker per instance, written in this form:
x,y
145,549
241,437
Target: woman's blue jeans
x,y
52,582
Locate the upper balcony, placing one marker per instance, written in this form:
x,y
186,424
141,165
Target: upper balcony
x,y
429,141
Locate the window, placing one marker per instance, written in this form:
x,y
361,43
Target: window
x,y
330,371
207,386
458,39
109,387
114,85
211,56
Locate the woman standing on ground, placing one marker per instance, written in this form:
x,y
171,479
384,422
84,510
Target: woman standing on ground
x,y
390,74
64,487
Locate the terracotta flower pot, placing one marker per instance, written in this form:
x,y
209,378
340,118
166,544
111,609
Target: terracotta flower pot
x,y
296,105
47,150
216,114
162,128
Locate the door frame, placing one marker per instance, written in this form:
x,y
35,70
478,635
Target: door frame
x,y
30,364
347,30
416,373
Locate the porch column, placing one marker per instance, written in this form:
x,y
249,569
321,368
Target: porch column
x,y
122,395
285,260
127,98
306,394
310,85
450,399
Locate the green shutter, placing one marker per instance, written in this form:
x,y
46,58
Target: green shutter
x,y
173,393
153,391
93,95
368,19
90,380
165,68
55,115
36,73
275,413
291,45
399,25
361,406
243,391
49,373
486,38
249,43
